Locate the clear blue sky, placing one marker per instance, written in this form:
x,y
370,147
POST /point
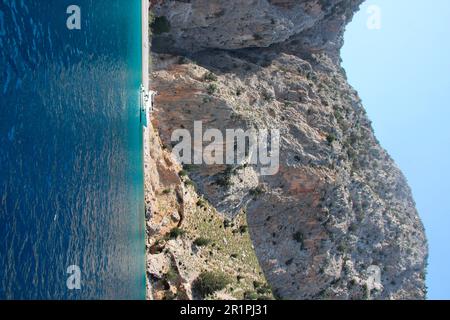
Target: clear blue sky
x,y
402,73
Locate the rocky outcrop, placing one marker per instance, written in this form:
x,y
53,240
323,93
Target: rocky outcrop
x,y
338,219
231,25
186,235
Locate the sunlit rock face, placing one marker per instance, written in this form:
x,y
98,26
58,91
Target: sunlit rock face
x,y
338,220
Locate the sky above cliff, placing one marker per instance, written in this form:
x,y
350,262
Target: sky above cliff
x,y
397,56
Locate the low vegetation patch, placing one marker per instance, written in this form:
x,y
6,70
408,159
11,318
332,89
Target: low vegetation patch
x,y
160,25
212,88
209,282
202,203
201,242
331,138
171,275
298,236
257,191
175,233
209,76
183,173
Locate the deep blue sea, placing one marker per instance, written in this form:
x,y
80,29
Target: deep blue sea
x,y
71,177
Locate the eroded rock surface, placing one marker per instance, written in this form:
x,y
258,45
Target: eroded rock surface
x,y
223,24
339,209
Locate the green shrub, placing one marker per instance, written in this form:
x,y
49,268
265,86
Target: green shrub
x,y
298,236
342,247
201,242
331,138
257,191
189,182
183,173
264,289
171,275
160,25
169,295
209,76
176,232
353,227
212,88
243,229
201,203
209,282
250,295
223,179
206,100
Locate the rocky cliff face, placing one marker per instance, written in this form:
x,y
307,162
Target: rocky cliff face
x,y
337,220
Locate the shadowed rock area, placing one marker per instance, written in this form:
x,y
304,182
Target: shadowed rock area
x,y
337,211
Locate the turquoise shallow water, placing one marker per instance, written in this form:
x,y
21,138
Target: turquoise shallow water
x,y
71,177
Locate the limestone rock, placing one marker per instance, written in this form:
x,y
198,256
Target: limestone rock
x,y
339,208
